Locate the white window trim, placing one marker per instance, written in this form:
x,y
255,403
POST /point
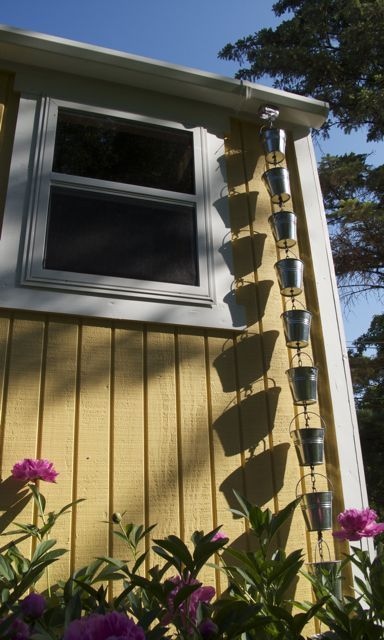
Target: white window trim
x,y
33,272
23,287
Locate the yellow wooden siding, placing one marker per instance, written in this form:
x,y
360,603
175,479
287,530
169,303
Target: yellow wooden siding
x,y
131,417
146,420
128,454
162,423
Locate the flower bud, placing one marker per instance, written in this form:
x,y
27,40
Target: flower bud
x,y
116,517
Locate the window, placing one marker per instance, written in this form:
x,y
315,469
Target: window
x,y
120,207
118,213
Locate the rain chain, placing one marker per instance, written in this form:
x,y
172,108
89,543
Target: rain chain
x,y
309,441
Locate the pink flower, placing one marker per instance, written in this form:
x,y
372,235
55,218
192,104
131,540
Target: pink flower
x,y
29,469
219,535
357,524
188,608
111,626
33,605
17,630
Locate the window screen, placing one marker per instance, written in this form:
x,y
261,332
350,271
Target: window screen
x,y
124,237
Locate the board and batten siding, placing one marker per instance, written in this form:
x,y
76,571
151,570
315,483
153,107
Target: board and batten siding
x,y
159,422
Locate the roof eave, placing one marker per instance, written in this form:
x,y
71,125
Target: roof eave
x,y
59,54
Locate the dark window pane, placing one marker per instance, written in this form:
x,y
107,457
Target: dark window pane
x,y
105,148
121,237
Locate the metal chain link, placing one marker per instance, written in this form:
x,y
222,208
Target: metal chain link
x,y
320,541
299,360
313,478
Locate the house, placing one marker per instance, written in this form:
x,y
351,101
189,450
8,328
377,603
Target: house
x,y
141,341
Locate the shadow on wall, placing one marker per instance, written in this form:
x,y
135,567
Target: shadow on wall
x,y
252,297
269,465
13,499
253,355
242,210
239,164
243,255
256,430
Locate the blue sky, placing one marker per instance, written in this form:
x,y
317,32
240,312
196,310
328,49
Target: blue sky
x,y
180,32
176,31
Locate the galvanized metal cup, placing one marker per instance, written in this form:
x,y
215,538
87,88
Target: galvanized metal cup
x,y
276,181
327,572
297,325
317,510
308,440
273,141
309,445
290,276
303,384
284,225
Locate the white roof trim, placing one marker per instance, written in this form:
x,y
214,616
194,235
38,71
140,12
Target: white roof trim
x,y
25,47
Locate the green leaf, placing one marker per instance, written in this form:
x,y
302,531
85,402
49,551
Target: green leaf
x,y
148,529
301,619
120,535
157,573
120,564
178,549
4,595
139,581
281,614
156,633
84,586
73,608
244,503
38,497
42,635
199,537
253,561
50,557
280,518
68,506
42,548
154,588
30,529
119,600
139,562
203,551
90,570
235,617
170,559
236,512
109,573
183,594
259,521
6,569
134,532
138,533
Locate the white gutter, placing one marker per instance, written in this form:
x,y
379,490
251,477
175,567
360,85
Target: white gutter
x,y
48,52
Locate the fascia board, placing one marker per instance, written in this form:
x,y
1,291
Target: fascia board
x,y
241,98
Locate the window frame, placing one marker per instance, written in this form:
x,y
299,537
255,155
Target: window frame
x,y
221,310
33,272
